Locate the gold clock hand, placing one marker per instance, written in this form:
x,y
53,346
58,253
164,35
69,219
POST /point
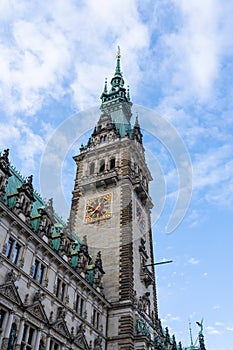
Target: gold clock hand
x,y
96,209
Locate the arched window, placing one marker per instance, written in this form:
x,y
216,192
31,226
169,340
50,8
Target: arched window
x,y
102,165
112,163
92,168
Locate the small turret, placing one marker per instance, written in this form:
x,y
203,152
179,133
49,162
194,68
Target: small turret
x,y
137,135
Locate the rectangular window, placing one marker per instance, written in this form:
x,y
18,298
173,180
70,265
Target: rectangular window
x,y
58,287
53,345
25,332
96,319
16,253
28,339
77,303
38,271
41,273
30,335
79,307
2,316
35,269
63,289
9,247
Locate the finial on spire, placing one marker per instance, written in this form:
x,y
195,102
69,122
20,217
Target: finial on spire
x,y
190,333
118,68
118,52
106,86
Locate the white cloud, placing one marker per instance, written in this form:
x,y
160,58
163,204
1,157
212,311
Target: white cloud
x,y
212,330
63,39
170,318
216,307
193,48
27,145
193,261
229,329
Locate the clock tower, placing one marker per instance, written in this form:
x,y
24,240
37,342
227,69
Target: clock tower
x,y
111,207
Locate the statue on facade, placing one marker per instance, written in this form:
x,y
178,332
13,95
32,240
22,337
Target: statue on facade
x,y
200,325
38,296
4,171
201,335
11,276
98,343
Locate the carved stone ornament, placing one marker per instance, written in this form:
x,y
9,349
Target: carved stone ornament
x,y
98,343
4,172
37,310
80,338
9,290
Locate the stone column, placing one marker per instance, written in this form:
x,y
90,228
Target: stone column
x,y
47,343
20,334
7,331
37,342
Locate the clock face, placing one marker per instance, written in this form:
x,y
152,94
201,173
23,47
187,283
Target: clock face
x,y
140,218
98,208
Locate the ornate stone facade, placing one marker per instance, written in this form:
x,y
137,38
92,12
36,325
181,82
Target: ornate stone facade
x,y
88,284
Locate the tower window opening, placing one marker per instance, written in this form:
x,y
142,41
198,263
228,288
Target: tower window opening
x,y
112,163
102,166
103,138
92,168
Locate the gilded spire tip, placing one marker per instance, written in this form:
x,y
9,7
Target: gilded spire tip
x,y
118,52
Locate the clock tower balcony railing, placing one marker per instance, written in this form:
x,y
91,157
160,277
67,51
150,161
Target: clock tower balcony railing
x,y
103,179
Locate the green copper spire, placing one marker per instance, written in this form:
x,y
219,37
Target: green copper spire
x,y
118,66
116,101
117,81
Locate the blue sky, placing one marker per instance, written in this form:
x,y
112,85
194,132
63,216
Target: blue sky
x,y
177,59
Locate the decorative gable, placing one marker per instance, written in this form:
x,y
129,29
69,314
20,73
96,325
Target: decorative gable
x,y
61,327
80,339
9,290
37,310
